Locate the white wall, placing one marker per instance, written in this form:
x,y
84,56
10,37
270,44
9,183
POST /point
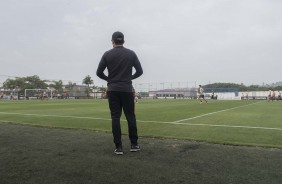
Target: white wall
x,y
227,96
231,95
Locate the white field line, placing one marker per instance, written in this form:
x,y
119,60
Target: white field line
x,y
75,117
161,122
45,115
225,126
211,113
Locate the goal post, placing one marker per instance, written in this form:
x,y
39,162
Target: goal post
x,y
36,93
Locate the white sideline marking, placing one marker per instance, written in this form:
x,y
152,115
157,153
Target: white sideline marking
x,y
44,115
75,117
226,126
195,117
161,122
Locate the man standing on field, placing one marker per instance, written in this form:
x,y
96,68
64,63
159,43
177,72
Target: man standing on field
x,y
201,94
119,62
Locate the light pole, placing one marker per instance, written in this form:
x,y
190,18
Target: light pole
x,y
162,84
150,87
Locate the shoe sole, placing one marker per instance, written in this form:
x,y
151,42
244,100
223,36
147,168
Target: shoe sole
x,y
118,153
134,150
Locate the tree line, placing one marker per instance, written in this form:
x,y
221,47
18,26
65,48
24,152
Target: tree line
x,y
34,82
242,87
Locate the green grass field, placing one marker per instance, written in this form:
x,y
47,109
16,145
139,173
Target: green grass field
x,y
70,142
252,123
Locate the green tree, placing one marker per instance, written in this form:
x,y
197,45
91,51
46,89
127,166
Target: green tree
x,y
58,86
102,89
22,83
36,82
88,81
242,87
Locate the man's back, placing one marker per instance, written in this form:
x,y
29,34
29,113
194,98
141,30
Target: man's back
x,y
119,61
200,90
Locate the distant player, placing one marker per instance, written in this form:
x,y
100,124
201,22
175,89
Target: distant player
x,y
1,95
269,95
279,95
136,98
40,97
212,95
45,96
273,96
135,95
201,95
11,96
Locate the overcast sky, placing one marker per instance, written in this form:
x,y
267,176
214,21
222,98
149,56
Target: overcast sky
x,y
205,41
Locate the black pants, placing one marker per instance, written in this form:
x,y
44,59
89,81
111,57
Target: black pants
x,y
119,101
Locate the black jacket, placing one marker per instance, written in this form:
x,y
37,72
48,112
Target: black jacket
x,y
119,61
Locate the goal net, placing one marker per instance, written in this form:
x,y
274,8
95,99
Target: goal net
x,y
32,94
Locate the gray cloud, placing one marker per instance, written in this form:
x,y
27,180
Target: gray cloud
x,y
176,41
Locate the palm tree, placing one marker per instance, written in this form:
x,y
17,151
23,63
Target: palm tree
x,y
88,81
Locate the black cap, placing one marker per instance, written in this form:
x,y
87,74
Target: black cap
x,y
118,36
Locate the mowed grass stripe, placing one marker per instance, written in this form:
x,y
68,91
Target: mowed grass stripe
x,y
258,124
211,113
174,123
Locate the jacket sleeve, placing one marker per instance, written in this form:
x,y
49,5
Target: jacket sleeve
x,y
101,67
138,68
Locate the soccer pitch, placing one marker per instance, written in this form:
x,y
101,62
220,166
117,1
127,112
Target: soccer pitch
x,y
253,123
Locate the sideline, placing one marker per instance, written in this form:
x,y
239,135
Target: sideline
x,y
56,116
195,117
225,126
179,122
